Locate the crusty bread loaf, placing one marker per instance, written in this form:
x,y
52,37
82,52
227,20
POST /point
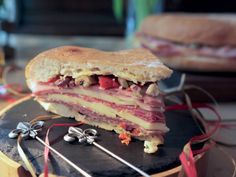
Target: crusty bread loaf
x,y
137,65
199,63
210,29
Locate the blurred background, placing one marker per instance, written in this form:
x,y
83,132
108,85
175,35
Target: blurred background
x,y
30,26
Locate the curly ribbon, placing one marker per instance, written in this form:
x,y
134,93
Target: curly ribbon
x,y
15,89
24,157
8,98
187,160
46,150
228,125
10,91
186,157
22,154
207,135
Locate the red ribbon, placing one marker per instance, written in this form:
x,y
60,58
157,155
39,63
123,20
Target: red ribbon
x,y
223,125
9,96
187,158
188,163
16,87
46,150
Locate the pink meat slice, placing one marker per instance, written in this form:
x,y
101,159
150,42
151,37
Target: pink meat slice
x,y
168,48
101,118
150,116
155,102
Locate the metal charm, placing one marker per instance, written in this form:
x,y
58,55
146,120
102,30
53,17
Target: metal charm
x,y
25,129
89,136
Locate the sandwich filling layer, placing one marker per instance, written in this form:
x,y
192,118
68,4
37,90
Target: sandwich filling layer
x,y
135,109
166,48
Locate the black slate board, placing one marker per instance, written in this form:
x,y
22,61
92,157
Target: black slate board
x,y
97,163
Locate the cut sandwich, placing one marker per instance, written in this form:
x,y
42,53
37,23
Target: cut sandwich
x,y
111,90
192,41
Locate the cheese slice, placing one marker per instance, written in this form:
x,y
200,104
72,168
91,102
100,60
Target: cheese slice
x,y
119,100
102,109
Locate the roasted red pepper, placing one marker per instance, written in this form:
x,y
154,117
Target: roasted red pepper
x,y
125,138
106,82
53,79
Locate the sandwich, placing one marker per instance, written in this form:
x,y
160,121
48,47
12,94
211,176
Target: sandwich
x,y
195,42
111,90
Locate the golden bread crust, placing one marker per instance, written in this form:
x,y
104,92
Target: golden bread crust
x,y
211,29
137,65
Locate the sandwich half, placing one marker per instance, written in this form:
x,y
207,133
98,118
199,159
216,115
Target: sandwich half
x,y
111,90
196,42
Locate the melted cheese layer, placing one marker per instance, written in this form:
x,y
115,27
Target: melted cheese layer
x,y
106,97
119,100
108,111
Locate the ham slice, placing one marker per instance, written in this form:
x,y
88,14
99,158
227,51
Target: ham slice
x,y
129,126
149,116
146,102
168,48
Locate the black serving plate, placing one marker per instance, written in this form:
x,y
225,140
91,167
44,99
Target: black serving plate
x,y
97,163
